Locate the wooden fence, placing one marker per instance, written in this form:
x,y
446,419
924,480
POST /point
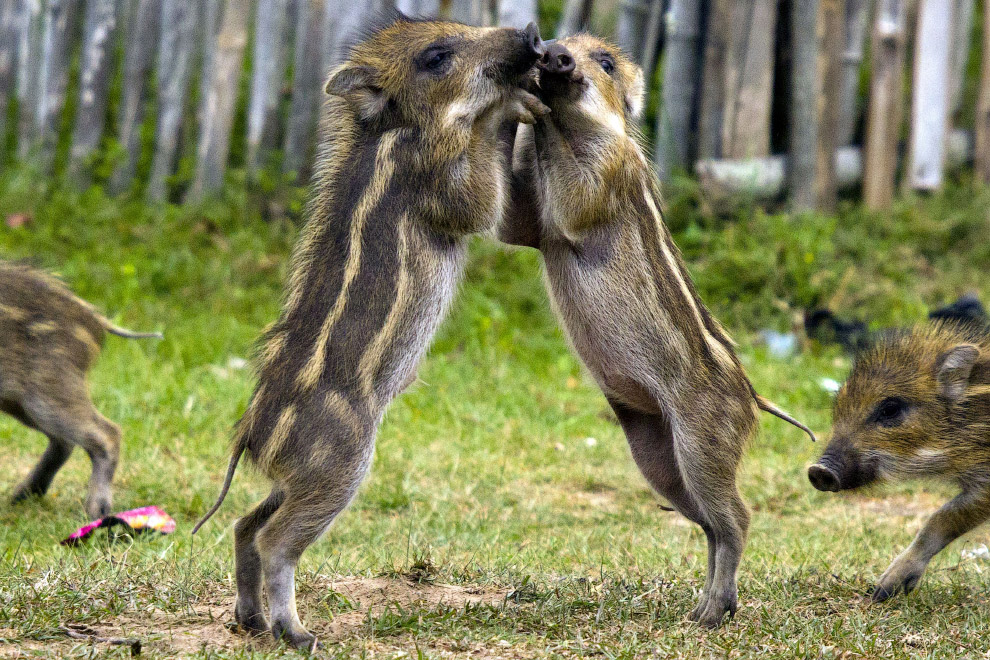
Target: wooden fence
x,y
769,99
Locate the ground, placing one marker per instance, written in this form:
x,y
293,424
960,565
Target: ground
x,y
504,517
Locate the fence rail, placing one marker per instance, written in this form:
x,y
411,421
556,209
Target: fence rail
x,y
761,98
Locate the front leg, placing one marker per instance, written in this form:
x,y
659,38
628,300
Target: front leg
x,y
955,518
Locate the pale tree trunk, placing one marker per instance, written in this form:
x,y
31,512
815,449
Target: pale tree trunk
x,y
930,95
266,81
575,18
804,115
517,13
831,23
962,28
10,19
712,109
141,45
307,89
99,41
341,21
220,99
630,28
883,118
419,8
749,79
212,10
56,51
680,87
471,12
983,107
857,18
28,74
175,56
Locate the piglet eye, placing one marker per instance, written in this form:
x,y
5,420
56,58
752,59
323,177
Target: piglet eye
x,y
608,66
891,412
434,59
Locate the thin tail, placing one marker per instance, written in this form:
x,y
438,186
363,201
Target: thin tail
x,y
128,334
226,486
766,405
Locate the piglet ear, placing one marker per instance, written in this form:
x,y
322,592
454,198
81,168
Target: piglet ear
x,y
636,94
358,85
954,368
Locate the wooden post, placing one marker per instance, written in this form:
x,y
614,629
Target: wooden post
x,y
749,79
857,18
831,22
883,119
575,17
653,35
471,12
630,28
983,106
266,81
804,115
517,13
99,40
28,74
343,19
220,100
710,116
307,89
139,58
56,51
961,33
930,95
175,54
680,87
10,19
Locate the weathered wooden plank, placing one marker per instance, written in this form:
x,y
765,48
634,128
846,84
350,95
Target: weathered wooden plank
x,y
883,119
961,33
28,74
141,47
930,94
307,89
710,115
266,81
857,19
575,17
10,24
220,99
174,66
804,115
831,23
517,13
983,106
680,87
99,41
749,79
57,42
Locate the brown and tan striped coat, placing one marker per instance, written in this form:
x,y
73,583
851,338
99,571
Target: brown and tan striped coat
x,y
49,339
408,168
588,199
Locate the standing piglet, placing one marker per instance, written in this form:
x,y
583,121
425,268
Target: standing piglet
x,y
917,404
49,338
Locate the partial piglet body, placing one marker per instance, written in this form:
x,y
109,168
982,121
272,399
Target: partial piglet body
x,y
49,338
917,404
586,197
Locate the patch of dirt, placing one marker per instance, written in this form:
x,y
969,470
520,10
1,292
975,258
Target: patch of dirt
x,y
208,624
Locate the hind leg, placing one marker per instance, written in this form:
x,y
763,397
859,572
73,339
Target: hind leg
x,y
37,483
651,441
313,498
249,609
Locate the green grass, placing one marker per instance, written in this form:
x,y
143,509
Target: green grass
x,y
491,524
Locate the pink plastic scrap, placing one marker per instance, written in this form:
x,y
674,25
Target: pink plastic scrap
x,y
147,518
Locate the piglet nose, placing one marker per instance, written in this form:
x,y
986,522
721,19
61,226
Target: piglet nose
x,y
557,60
823,478
533,40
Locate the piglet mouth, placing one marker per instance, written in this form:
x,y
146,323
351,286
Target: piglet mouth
x,y
558,71
837,471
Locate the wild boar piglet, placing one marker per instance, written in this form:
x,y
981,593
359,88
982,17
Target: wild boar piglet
x,y
49,338
917,404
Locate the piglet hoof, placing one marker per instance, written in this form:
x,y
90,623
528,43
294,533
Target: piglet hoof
x,y
98,507
300,638
252,623
525,108
902,577
711,611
